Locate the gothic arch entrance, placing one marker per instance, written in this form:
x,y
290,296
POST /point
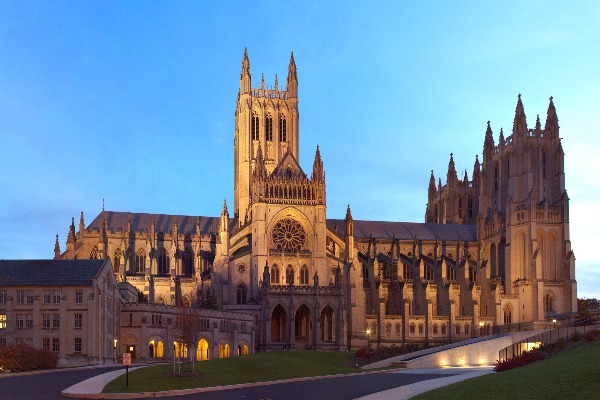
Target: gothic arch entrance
x,y
303,327
278,320
327,325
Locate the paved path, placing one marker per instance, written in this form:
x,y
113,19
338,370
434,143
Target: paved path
x,y
382,385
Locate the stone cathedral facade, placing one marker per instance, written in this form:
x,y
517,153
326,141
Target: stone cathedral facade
x,y
493,253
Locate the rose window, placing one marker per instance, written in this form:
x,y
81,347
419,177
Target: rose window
x,y
289,235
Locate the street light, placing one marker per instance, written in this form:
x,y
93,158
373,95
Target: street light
x,y
368,333
115,348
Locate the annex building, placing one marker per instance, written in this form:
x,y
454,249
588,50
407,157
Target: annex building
x,y
493,253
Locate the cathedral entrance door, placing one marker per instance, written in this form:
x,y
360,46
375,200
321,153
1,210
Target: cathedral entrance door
x,y
278,322
303,327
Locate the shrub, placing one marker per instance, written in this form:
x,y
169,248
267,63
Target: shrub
x,y
560,343
519,361
591,335
20,357
575,337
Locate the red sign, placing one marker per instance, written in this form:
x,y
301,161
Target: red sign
x,y
126,358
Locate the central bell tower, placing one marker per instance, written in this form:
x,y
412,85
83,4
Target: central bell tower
x,y
265,117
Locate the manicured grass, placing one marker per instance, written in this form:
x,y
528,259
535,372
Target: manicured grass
x,y
244,369
573,374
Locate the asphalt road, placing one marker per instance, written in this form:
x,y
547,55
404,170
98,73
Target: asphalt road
x,y
339,388
47,385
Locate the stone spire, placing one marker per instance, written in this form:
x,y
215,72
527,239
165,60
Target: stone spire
x,y
276,83
245,78
520,121
317,173
538,125
56,249
476,169
489,137
260,170
501,140
349,222
551,127
71,234
292,78
224,221
451,170
81,225
432,188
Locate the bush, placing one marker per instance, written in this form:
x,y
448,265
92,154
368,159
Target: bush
x,y
519,361
560,343
575,337
591,335
20,357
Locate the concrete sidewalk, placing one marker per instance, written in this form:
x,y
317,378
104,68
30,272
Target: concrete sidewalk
x,y
92,387
409,391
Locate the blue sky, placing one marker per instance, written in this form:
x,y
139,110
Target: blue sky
x,y
133,102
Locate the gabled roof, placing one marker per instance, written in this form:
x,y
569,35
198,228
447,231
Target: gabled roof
x,y
49,272
406,230
140,222
288,160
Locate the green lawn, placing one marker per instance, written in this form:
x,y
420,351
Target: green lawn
x,y
258,367
573,374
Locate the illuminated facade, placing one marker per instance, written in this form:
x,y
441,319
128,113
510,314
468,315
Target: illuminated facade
x,y
494,250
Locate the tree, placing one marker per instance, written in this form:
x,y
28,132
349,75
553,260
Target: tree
x,y
187,330
584,306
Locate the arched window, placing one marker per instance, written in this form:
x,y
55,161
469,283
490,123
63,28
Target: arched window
x,y
202,350
117,260
180,350
140,261
289,273
472,274
496,176
304,275
269,128
224,351
398,328
94,253
406,271
421,329
443,329
161,300
412,329
470,207
508,314
188,263
434,329
255,126
242,293
282,129
451,273
428,273
460,206
467,329
156,349
163,263
275,275
457,329
388,329
185,300
549,303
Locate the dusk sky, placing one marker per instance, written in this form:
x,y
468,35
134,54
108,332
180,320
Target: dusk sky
x,y
133,102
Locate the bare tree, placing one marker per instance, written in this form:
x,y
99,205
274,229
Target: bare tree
x,y
187,330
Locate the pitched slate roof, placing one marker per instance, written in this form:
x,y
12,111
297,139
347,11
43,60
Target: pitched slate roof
x,y
140,222
362,229
405,230
49,272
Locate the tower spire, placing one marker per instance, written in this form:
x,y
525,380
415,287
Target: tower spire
x,y
245,78
520,121
56,249
292,78
551,127
451,169
260,171
432,188
317,173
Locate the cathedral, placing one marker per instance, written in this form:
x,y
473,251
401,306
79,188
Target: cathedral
x,y
493,254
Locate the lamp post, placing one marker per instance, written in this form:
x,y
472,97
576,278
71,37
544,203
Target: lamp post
x,y
368,334
115,349
481,328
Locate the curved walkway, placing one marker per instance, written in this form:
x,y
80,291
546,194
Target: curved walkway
x,y
92,388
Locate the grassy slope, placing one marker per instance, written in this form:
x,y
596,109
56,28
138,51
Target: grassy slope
x,y
253,368
569,375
